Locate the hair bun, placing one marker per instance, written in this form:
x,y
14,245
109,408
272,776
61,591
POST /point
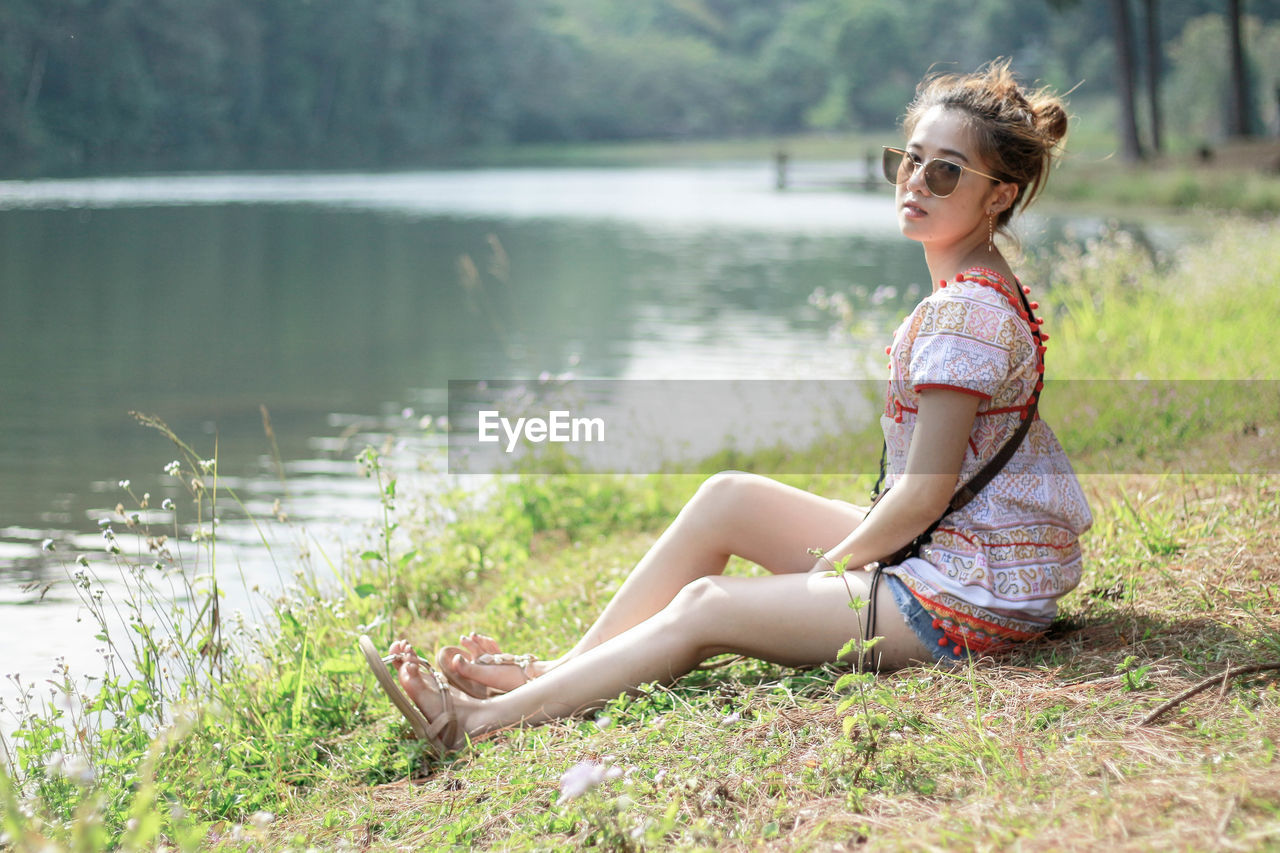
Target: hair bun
x,y
1050,119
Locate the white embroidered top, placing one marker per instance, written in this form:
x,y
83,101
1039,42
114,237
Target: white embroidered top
x,y
994,570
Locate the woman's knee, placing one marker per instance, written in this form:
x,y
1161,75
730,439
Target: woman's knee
x,y
697,599
725,493
699,606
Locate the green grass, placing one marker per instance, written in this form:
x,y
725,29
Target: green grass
x,y
209,733
1177,185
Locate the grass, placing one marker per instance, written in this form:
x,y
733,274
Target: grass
x,y
213,734
1242,177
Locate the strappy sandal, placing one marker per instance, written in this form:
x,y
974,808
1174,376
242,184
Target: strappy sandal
x,y
444,661
441,734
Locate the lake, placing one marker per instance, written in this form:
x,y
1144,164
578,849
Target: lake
x,y
342,304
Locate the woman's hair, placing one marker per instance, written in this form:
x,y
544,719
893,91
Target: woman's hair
x,y
1017,131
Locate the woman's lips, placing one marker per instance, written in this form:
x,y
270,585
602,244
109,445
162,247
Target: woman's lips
x,y
912,210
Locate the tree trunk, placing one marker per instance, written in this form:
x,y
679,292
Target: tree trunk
x,y
1151,9
1131,147
1239,116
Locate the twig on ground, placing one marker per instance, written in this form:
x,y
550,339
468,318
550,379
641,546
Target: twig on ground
x,y
1247,669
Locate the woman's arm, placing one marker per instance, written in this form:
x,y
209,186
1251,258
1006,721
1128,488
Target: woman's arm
x,y
922,493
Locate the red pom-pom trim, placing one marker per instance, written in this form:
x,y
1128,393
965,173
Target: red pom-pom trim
x,y
888,349
942,641
1035,305
1026,290
956,650
942,283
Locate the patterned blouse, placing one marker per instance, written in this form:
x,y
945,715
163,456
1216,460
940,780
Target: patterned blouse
x,y
993,571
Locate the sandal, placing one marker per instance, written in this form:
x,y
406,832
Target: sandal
x,y
470,686
441,735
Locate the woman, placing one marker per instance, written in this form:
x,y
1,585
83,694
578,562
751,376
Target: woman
x,y
965,368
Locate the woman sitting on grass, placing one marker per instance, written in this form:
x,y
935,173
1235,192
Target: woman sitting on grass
x,y
965,369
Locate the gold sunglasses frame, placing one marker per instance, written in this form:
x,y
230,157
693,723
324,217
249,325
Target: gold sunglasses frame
x,y
924,164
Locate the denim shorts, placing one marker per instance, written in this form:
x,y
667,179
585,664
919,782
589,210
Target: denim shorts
x,y
921,622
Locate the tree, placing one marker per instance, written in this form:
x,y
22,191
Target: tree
x,y
1131,147
1122,27
1239,113
1153,46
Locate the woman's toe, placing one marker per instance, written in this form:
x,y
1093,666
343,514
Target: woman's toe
x,y
480,644
426,696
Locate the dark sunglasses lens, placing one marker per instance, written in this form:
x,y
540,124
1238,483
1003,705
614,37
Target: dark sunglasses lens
x,y
894,164
941,177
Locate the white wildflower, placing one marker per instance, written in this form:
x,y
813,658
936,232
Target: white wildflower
x,y
584,776
73,767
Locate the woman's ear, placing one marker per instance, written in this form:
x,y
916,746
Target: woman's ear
x,y
1002,197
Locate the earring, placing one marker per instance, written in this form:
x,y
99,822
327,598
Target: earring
x,y
991,233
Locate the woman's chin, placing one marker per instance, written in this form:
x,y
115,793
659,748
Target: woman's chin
x,y
912,229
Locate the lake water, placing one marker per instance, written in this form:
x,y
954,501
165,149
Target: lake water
x,y
343,304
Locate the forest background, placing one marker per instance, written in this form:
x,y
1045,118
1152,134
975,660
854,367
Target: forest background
x,y
88,86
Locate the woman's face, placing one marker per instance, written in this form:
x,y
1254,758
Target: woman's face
x,y
963,214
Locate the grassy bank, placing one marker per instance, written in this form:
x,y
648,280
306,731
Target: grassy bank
x,y
213,733
1242,177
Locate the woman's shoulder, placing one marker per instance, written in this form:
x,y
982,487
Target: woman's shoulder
x,y
979,298
987,286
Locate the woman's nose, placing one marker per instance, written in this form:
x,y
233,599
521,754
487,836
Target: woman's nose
x,y
915,182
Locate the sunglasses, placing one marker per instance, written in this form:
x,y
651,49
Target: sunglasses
x,y
940,176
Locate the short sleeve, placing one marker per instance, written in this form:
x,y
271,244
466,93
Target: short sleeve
x,y
963,345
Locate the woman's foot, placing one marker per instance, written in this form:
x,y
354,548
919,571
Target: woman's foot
x,y
481,669
436,701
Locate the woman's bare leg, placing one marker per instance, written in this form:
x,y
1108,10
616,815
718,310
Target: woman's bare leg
x,y
793,619
732,514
